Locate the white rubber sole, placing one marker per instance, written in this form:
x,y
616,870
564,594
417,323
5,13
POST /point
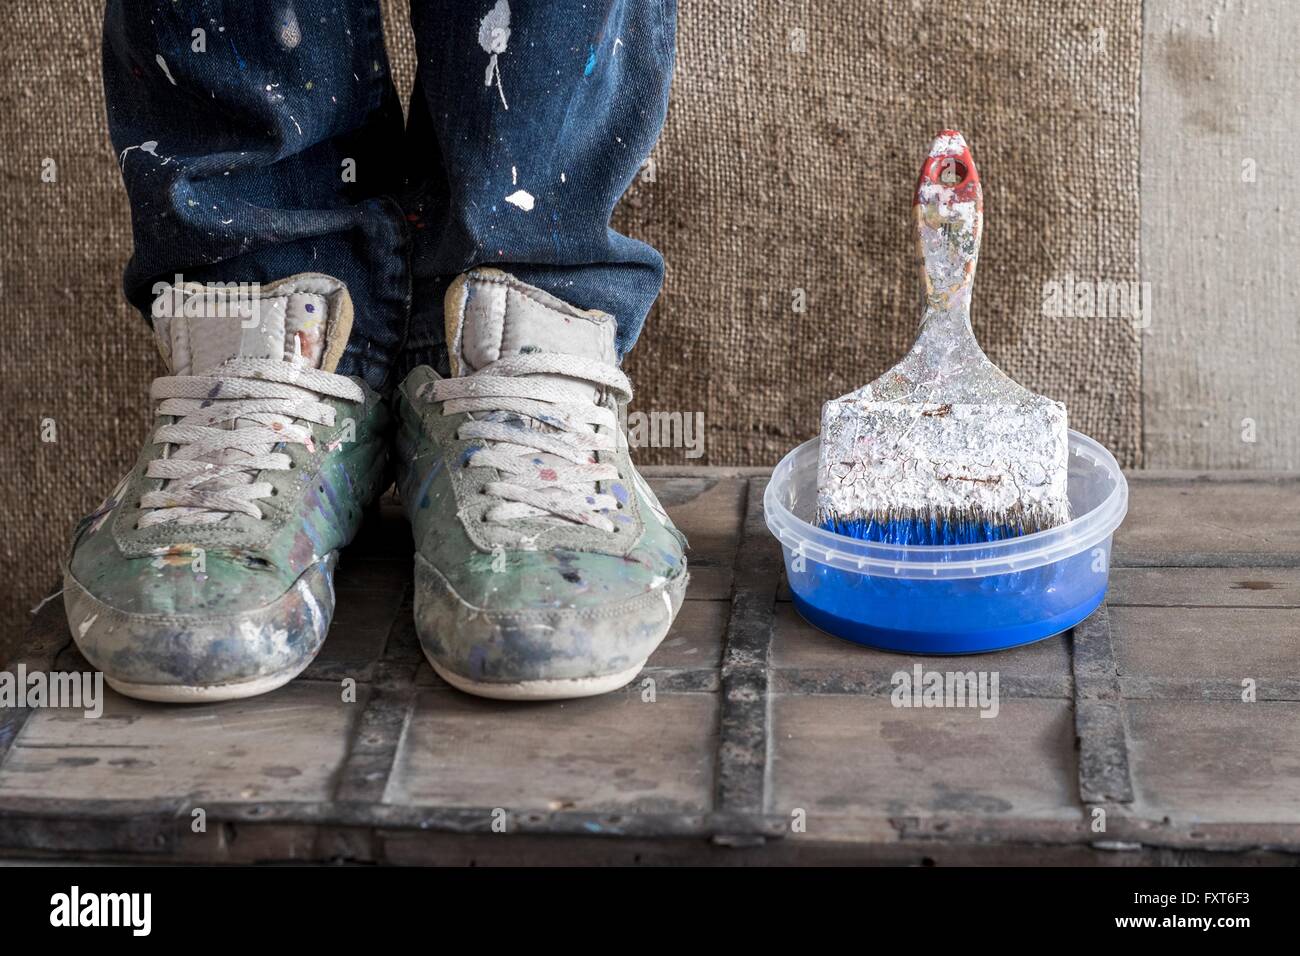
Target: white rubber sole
x,y
201,694
564,689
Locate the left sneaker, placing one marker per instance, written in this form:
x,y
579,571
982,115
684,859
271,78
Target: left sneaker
x,y
545,567
208,573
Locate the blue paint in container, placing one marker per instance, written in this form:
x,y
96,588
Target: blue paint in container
x,y
949,599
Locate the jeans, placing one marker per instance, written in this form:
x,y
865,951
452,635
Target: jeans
x,y
260,139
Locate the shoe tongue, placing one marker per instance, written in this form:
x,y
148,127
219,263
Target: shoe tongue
x,y
491,315
306,318
200,327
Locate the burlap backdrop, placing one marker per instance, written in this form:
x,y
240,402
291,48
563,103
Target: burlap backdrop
x,y
793,141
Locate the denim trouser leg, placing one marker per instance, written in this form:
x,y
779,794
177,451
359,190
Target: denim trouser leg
x,y
528,122
257,140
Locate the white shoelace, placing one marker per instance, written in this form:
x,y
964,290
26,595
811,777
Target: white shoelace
x,y
228,422
525,418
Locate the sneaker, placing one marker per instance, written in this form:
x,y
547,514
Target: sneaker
x,y
208,573
545,567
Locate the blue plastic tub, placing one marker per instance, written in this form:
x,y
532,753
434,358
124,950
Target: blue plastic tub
x,y
953,599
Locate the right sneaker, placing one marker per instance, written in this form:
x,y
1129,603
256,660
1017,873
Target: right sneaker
x,y
545,567
207,574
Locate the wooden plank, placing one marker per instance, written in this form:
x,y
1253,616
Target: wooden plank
x,y
1265,688
1204,587
1228,644
1213,514
286,745
1216,761
616,753
709,511
695,640
1223,343
799,646
861,757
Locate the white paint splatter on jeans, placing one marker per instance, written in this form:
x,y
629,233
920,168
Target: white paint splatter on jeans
x,y
162,65
148,146
523,199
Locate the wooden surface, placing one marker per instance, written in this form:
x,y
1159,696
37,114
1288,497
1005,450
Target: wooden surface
x,y
1220,238
746,721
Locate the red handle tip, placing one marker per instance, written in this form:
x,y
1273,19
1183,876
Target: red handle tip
x,y
951,166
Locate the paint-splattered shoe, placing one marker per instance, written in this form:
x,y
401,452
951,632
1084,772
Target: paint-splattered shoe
x,y
545,567
208,573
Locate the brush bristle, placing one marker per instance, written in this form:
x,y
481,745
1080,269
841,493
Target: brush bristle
x,y
956,527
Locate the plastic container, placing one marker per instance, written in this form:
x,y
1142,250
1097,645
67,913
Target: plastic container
x,y
953,599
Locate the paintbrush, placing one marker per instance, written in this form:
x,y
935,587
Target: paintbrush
x,y
943,448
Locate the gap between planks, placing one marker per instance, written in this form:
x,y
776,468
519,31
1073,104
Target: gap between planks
x,y
1105,777
744,728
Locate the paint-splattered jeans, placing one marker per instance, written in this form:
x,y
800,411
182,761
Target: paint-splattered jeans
x,y
262,138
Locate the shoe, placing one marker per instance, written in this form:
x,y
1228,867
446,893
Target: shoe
x,y
545,567
208,573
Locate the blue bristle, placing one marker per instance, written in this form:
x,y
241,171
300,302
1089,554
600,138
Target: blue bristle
x,y
918,531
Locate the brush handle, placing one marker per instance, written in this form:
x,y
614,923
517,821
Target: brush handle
x,y
949,212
